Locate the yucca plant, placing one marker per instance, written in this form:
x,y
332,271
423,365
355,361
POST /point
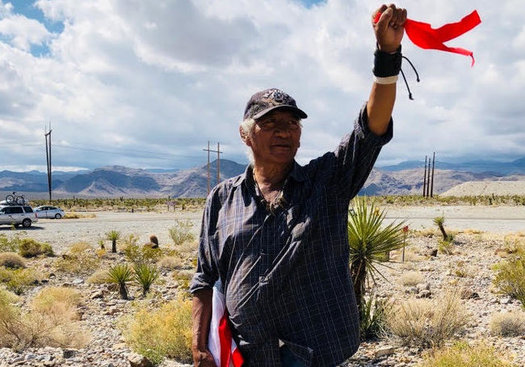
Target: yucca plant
x,y
369,242
113,236
145,275
120,274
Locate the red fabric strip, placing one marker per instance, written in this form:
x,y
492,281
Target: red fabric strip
x,y
424,36
225,337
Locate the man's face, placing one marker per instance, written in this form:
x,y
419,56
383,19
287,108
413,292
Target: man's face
x,y
276,138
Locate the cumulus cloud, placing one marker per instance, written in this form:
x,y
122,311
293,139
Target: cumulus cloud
x,y
147,84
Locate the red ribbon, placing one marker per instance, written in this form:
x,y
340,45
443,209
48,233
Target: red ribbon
x,y
424,36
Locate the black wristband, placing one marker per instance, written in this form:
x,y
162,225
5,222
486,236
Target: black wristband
x,y
387,64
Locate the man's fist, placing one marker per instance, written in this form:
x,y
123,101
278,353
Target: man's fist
x,y
388,22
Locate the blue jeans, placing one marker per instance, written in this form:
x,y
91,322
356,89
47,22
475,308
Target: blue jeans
x,y
288,359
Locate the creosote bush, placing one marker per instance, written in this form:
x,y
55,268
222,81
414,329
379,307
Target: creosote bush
x,y
427,323
170,263
9,245
139,254
80,258
510,275
28,247
181,232
463,355
18,280
50,321
161,333
508,324
12,260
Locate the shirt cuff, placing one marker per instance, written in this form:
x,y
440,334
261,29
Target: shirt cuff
x,y
201,281
362,129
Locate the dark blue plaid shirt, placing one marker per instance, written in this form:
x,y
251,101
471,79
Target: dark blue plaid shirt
x,y
285,272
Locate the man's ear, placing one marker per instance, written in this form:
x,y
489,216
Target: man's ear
x,y
244,137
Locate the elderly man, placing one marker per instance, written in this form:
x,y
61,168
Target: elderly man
x,y
276,236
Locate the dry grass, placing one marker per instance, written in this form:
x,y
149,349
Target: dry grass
x,y
12,260
411,278
98,277
74,215
81,258
427,323
463,355
50,321
161,333
508,324
19,280
170,263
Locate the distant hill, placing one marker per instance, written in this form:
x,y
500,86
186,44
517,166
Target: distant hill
x,y
117,181
515,167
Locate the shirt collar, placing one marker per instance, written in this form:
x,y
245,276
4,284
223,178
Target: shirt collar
x,y
297,173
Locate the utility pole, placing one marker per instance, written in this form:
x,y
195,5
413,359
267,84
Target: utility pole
x,y
432,181
425,179
428,178
218,163
47,136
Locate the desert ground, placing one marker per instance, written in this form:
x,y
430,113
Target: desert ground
x,y
479,232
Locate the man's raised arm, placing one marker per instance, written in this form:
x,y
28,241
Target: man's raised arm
x,y
388,23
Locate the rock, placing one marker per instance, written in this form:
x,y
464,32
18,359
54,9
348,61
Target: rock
x,y
432,253
136,360
424,294
385,351
97,294
69,353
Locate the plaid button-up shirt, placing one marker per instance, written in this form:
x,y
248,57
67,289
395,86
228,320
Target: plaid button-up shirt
x,y
286,272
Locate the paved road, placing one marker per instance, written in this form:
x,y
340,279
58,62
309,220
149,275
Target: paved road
x,y
64,232
499,219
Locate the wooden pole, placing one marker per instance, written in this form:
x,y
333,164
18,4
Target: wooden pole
x,y
432,180
425,178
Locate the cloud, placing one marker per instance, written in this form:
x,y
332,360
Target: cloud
x,y
148,84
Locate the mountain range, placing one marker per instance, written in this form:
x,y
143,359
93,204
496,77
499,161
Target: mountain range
x,y
116,181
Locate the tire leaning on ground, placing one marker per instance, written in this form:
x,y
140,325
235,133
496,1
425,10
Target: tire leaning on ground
x,y
26,223
58,216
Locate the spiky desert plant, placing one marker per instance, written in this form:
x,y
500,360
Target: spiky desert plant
x,y
120,274
369,240
145,275
440,222
113,236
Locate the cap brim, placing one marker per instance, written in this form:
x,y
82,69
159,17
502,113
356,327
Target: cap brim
x,y
298,111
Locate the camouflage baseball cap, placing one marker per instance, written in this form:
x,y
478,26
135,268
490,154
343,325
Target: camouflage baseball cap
x,y
268,100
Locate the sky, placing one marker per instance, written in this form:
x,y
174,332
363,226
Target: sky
x,y
147,84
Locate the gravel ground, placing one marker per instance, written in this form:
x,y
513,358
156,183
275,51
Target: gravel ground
x,y
475,250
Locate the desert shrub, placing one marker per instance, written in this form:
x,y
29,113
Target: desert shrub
x,y
510,275
28,247
181,232
49,299
8,245
161,333
18,280
373,318
120,274
12,260
508,324
170,263
411,278
139,254
98,277
79,259
183,278
42,325
427,323
463,355
446,247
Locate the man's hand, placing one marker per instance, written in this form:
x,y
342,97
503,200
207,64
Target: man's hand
x,y
388,22
202,358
